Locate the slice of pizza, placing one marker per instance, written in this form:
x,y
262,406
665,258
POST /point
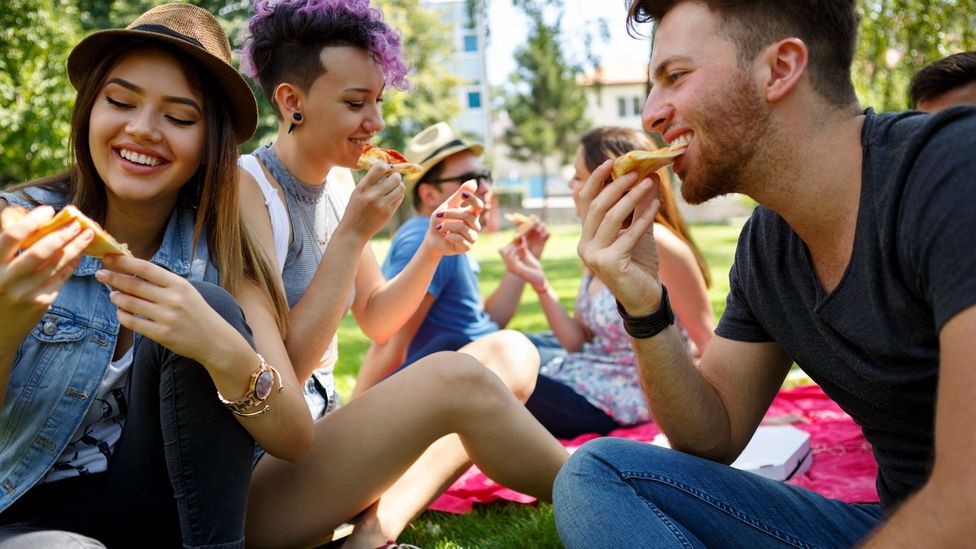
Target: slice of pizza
x,y
523,223
646,162
103,244
373,155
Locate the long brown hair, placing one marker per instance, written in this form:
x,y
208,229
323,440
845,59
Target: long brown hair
x,y
601,144
212,191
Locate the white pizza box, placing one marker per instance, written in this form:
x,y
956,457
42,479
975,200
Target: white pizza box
x,y
779,452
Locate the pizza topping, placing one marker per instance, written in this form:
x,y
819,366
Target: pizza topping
x,y
373,155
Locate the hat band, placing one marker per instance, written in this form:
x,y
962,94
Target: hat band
x,y
441,149
160,29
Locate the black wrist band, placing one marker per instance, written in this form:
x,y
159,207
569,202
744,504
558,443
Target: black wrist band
x,y
644,327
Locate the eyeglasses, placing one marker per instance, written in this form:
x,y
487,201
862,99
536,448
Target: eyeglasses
x,y
483,178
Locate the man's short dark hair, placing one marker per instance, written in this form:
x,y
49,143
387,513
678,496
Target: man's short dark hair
x,y
827,27
943,75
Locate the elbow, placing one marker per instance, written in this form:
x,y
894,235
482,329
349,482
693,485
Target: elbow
x,y
296,447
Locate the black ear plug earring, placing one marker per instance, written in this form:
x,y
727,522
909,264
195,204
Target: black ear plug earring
x,y
297,117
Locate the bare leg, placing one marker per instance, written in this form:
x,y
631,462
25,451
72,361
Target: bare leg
x,y
364,447
379,362
513,358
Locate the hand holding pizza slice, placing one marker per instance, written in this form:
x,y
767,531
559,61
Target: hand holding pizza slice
x,y
101,245
523,224
373,155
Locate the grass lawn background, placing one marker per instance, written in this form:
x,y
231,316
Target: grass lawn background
x,y
508,525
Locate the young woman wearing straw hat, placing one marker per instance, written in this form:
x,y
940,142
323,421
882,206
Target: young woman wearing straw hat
x,y
132,394
324,67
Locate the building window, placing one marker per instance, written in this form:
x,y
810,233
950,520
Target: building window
x,y
470,42
474,100
637,105
622,107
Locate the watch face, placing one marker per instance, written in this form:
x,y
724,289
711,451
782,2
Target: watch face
x,y
263,384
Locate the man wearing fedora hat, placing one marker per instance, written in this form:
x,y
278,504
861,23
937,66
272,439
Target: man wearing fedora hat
x,y
453,313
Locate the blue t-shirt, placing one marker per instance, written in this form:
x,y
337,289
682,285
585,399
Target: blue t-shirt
x,y
458,308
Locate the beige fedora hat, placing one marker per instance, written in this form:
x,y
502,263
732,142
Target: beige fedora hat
x,y
433,144
192,30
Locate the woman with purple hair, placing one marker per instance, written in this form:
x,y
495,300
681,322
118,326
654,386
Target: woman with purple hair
x,y
323,65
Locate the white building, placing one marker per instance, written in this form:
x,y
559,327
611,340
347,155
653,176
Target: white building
x,y
615,94
468,63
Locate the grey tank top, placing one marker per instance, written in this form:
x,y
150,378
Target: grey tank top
x,y
315,211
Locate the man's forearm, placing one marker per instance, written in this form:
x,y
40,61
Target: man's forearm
x,y
504,301
682,401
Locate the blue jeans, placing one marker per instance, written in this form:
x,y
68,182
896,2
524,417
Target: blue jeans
x,y
622,493
180,473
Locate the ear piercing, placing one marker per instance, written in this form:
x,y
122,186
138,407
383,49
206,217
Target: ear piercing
x,y
297,117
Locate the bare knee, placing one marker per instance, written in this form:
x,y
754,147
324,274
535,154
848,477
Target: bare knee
x,y
467,385
512,357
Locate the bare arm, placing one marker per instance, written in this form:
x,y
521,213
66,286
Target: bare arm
x,y
943,512
382,306
679,272
710,410
382,358
504,301
521,263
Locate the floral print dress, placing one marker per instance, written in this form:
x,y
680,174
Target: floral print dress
x,y
603,371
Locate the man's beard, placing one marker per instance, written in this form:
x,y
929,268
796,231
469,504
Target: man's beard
x,y
729,133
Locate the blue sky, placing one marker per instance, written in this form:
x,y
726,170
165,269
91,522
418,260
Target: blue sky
x,y
509,30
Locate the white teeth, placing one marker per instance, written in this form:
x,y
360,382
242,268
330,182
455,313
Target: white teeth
x,y
138,158
683,140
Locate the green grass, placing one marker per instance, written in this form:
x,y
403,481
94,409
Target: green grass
x,y
506,525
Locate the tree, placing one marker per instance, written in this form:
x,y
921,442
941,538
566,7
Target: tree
x,y
35,95
544,102
898,37
427,46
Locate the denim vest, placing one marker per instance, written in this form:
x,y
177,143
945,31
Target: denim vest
x,y
61,362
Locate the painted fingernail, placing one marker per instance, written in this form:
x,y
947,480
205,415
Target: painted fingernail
x,y
440,214
439,227
465,195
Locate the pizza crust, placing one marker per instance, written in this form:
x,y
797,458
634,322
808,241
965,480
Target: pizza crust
x,y
373,155
101,245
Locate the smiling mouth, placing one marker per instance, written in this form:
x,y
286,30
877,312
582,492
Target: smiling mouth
x,y
680,143
139,158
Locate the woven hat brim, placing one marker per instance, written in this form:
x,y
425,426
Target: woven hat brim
x,y
414,178
243,106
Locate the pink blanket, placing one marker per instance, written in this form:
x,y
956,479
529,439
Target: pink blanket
x,y
843,466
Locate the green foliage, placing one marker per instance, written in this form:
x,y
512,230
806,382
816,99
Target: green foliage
x,y
35,96
898,37
427,45
544,102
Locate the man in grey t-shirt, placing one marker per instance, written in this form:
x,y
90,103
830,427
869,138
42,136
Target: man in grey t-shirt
x,y
857,265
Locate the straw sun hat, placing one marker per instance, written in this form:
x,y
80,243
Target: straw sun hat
x,y
432,145
190,29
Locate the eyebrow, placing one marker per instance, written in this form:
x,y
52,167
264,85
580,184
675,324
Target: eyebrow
x,y
168,98
365,90
662,67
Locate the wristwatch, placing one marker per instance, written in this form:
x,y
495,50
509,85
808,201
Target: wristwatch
x,y
260,386
643,327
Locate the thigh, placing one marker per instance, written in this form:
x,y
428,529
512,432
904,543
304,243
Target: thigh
x,y
566,413
616,492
